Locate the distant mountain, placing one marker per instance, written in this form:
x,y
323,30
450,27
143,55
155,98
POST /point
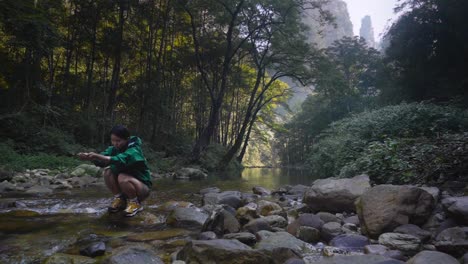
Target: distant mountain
x,y
367,31
323,35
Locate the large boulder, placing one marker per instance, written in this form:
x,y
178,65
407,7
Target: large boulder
x,y
222,251
432,257
187,217
457,207
336,195
385,207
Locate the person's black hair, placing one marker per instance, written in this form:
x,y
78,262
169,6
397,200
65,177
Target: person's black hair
x,y
120,131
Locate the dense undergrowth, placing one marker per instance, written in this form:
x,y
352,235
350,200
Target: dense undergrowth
x,y
406,143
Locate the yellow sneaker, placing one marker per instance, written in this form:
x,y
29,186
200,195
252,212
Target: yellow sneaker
x,y
133,207
117,204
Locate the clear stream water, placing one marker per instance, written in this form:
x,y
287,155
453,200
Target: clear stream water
x,y
41,226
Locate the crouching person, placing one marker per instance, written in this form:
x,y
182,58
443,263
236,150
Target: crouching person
x,y
127,175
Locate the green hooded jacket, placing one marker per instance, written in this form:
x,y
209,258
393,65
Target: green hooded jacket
x,y
130,161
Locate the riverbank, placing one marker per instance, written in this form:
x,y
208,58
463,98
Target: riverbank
x,y
330,220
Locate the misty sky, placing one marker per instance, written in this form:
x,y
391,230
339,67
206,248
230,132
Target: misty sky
x,y
379,10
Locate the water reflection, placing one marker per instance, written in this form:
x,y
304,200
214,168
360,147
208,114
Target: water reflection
x,y
274,178
248,178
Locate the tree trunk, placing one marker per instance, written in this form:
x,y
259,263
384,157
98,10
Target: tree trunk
x,y
115,81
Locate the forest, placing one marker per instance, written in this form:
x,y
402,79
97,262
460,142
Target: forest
x,y
204,82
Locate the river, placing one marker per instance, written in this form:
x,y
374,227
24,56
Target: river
x,y
40,226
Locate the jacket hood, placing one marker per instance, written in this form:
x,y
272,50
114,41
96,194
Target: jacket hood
x,y
134,142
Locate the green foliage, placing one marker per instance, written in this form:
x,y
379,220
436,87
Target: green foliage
x,y
30,136
213,155
12,160
427,50
346,82
398,144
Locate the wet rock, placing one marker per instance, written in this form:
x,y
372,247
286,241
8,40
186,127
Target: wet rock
x,y
414,230
310,220
276,221
453,241
457,207
60,258
385,207
221,222
266,207
256,225
390,261
157,235
328,217
330,230
270,241
432,257
222,251
308,234
403,242
134,255
336,196
231,198
94,250
186,217
260,190
207,235
350,241
244,237
39,190
246,213
190,174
